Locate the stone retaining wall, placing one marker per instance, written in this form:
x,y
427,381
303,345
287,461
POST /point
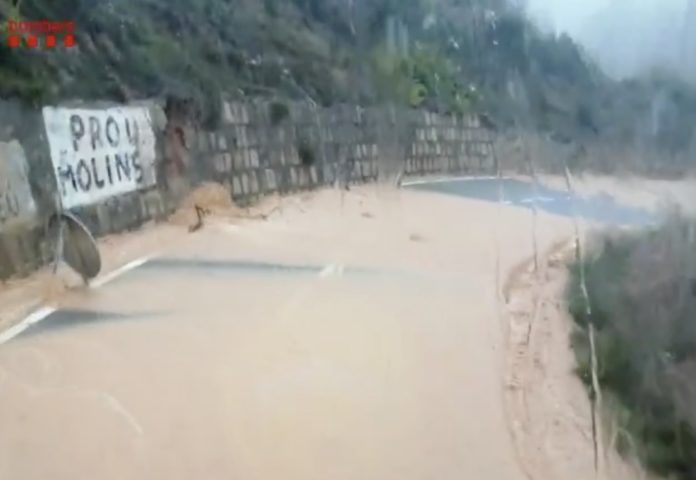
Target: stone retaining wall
x,y
258,148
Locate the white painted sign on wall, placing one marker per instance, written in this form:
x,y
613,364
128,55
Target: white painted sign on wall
x,y
16,201
98,154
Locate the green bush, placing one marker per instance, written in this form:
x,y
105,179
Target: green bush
x,y
425,78
642,294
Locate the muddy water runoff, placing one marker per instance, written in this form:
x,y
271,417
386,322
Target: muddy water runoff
x,y
354,338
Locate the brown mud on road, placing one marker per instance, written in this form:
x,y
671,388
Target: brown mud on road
x,y
355,336
547,405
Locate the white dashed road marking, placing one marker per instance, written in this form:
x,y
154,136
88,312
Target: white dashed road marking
x,y
32,319
109,277
43,312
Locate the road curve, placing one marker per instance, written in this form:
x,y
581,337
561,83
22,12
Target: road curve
x,y
346,337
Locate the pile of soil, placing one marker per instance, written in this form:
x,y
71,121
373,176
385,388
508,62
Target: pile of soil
x,y
212,198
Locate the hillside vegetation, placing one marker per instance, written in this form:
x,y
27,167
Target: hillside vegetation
x,y
642,292
446,55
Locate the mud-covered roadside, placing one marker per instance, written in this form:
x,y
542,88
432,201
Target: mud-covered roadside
x,y
20,296
346,335
547,405
342,335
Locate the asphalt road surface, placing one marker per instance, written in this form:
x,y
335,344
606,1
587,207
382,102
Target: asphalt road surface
x,y
343,338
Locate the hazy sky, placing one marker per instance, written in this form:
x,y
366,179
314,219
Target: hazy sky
x,y
573,15
566,15
627,37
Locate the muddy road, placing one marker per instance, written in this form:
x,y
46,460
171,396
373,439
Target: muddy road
x,y
346,337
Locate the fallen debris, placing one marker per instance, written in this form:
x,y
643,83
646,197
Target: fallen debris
x,y
201,213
